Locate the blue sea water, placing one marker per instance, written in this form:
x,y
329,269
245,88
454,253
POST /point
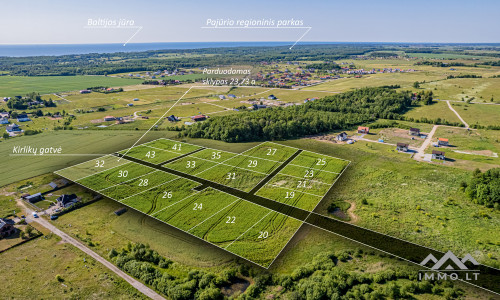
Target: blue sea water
x,y
63,49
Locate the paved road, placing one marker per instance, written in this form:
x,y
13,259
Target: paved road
x,y
67,238
456,113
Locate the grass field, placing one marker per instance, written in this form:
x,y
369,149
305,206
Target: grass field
x,y
45,258
18,85
174,201
415,201
481,114
439,109
78,146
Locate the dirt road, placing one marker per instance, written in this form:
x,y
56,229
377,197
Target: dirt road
x,y
456,113
67,238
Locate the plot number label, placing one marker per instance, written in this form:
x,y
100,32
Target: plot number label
x,y
263,234
143,182
309,174
230,220
167,195
216,155
122,173
198,206
302,183
290,195
191,164
231,176
151,154
252,163
176,147
99,163
271,151
321,162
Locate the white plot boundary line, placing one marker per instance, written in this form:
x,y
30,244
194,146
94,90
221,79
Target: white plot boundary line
x,y
124,182
151,187
270,211
214,214
265,27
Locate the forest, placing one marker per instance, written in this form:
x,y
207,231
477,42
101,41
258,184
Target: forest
x,y
319,279
484,188
327,114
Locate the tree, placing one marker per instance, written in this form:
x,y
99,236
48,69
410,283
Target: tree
x,y
29,230
416,84
5,135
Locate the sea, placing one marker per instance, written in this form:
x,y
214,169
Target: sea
x,y
65,49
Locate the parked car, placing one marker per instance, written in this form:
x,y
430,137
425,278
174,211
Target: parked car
x,y
23,217
53,217
35,215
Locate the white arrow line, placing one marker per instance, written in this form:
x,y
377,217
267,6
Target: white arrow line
x,y
300,38
140,28
161,118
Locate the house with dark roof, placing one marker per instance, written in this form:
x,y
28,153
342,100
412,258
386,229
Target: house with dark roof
x,y
4,121
271,97
414,131
66,200
13,128
403,147
341,137
438,155
34,198
172,118
23,118
6,228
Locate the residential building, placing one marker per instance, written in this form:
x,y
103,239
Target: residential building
x,y
363,130
6,229
199,118
414,131
443,142
402,147
341,137
438,155
66,200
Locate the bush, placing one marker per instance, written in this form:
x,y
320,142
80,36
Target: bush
x,y
59,278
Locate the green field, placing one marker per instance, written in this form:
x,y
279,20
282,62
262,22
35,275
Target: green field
x,y
217,217
78,146
17,85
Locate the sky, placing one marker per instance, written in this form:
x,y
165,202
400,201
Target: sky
x,y
64,22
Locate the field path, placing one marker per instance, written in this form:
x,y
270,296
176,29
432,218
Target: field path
x,y
61,97
67,238
350,212
456,113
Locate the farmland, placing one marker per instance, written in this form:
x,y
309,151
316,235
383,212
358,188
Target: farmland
x,y
242,227
19,85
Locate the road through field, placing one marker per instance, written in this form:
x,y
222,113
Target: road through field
x,y
456,113
67,238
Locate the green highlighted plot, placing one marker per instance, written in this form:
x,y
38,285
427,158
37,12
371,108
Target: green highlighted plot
x,y
149,154
174,146
290,197
213,155
320,162
310,174
193,200
190,165
114,176
253,164
266,238
196,210
223,229
231,176
271,151
157,198
137,185
91,167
